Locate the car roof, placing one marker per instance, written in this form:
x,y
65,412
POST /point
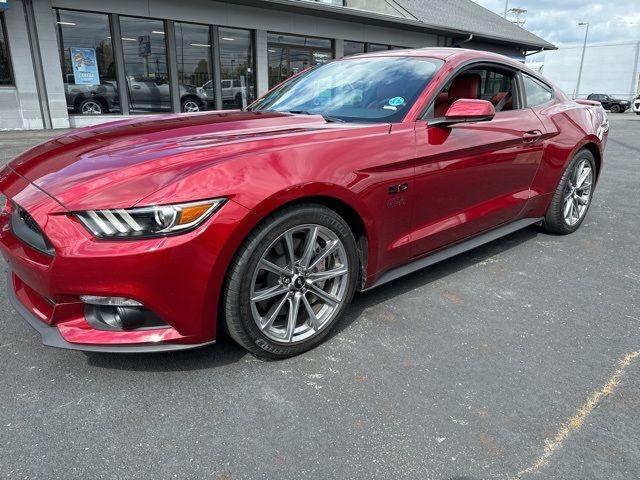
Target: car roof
x,y
443,53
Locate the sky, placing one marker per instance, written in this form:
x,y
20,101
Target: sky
x,y
557,20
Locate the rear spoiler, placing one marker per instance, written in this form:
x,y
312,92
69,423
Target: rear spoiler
x,y
591,103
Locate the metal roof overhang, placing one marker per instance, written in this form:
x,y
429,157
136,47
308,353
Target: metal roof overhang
x,y
372,18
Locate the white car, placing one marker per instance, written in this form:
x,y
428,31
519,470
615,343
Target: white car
x,y
636,105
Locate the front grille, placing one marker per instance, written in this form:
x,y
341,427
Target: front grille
x,y
27,229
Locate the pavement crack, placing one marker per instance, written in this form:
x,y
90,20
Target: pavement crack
x,y
575,422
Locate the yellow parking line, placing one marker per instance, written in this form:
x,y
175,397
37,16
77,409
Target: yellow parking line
x,y
575,422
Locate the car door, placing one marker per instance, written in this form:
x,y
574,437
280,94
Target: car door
x,y
472,177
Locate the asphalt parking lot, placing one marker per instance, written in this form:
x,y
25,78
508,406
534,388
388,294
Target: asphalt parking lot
x,y
502,363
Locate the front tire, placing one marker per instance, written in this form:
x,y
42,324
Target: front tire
x,y
90,107
615,108
191,105
291,281
573,195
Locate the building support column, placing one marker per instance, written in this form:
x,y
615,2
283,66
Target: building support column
x,y
338,48
262,62
217,67
172,60
49,53
41,87
118,57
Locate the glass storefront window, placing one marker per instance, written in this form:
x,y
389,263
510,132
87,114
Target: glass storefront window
x,y
193,50
5,61
299,40
145,61
236,67
377,47
88,67
353,48
289,54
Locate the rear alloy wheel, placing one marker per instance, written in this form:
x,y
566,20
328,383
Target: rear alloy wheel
x,y
615,108
291,281
90,107
573,195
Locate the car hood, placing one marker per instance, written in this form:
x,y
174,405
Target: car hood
x,y
118,164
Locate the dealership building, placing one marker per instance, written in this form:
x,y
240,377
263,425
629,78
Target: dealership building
x,y
71,63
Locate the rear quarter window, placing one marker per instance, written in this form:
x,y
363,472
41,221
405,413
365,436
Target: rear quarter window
x,y
536,92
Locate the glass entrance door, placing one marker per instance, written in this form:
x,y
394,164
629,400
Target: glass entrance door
x,y
299,59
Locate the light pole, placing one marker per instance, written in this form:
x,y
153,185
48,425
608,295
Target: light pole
x,y
584,47
506,8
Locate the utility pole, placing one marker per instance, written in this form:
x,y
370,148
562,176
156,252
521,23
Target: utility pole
x,y
584,47
518,12
506,8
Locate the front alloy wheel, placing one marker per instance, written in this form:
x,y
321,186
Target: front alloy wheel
x,y
299,283
191,106
291,281
90,107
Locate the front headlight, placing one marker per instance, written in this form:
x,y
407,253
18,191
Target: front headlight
x,y
145,222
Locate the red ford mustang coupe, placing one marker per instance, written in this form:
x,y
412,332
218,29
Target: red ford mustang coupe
x,y
152,234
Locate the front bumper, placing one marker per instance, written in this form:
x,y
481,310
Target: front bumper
x,y
51,336
178,278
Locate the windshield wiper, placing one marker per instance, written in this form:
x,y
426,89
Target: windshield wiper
x,y
327,118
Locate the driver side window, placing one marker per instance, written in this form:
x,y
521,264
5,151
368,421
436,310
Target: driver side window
x,y
480,83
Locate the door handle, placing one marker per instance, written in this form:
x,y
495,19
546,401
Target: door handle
x,y
136,87
531,136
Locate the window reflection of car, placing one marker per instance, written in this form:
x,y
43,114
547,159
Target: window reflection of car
x,y
232,91
91,99
145,94
154,93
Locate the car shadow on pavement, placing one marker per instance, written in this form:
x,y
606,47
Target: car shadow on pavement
x,y
398,287
225,351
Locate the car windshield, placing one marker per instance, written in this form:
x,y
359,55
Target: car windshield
x,y
355,90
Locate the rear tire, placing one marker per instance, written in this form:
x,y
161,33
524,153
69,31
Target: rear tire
x,y
573,195
303,261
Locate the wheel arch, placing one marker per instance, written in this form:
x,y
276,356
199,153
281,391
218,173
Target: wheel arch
x,y
597,155
80,97
341,202
191,96
354,221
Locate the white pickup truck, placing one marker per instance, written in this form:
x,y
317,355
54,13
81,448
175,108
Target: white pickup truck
x,y
232,92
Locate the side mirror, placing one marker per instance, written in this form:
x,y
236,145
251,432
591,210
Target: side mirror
x,y
467,110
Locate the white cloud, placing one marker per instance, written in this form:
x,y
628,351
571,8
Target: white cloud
x,y
557,22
